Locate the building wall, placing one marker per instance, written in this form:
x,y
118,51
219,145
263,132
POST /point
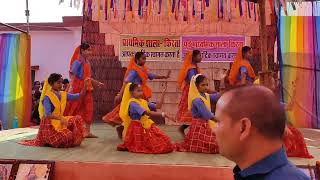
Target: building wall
x,y
52,50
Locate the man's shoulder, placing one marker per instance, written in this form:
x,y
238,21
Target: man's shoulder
x,y
287,171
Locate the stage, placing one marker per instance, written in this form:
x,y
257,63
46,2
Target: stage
x,y
98,158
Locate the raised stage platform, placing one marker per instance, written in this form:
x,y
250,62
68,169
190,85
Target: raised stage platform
x,y
98,158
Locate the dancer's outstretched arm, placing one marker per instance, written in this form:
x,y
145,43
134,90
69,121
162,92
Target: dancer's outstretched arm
x,y
164,89
163,77
159,114
96,83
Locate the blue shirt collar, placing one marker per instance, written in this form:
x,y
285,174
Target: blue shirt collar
x,y
264,166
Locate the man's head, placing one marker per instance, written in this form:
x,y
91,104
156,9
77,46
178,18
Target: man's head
x,y
247,52
36,85
85,49
247,116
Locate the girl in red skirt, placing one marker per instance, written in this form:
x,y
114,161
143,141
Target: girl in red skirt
x,y
140,134
200,138
189,69
55,129
136,73
79,71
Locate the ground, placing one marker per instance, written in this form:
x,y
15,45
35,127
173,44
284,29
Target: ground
x,y
103,149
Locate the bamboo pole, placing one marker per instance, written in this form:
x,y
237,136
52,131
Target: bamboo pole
x,y
265,73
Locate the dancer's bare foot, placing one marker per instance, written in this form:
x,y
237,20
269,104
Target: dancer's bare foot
x,y
182,129
90,135
119,131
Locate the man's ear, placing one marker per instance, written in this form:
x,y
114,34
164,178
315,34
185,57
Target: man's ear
x,y
245,128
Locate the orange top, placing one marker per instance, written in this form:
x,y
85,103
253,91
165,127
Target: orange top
x,y
187,64
75,56
86,66
143,74
237,64
87,74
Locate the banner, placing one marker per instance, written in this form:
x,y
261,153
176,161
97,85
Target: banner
x,y
213,48
160,48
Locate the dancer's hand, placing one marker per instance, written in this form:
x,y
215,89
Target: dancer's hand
x,y
168,74
168,117
97,83
117,99
86,83
64,122
100,84
225,74
164,87
287,131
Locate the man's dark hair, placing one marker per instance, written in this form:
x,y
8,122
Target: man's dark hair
x,y
84,46
138,55
261,106
245,50
54,77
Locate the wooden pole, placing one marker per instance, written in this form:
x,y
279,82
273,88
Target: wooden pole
x,y
264,75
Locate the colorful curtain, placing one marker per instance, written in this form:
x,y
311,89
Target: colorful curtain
x,y
15,79
299,44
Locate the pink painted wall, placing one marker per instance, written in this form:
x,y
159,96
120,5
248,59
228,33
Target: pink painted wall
x,y
52,50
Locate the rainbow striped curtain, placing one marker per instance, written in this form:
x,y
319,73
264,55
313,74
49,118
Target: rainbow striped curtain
x,y
299,44
15,79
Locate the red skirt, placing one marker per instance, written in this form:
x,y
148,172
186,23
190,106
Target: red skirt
x,y
184,116
295,144
200,139
82,107
47,136
148,141
113,117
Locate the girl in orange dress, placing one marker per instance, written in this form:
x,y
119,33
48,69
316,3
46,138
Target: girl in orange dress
x,y
241,72
79,71
189,69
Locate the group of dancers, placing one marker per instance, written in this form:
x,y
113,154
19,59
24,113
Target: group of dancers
x,y
66,117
